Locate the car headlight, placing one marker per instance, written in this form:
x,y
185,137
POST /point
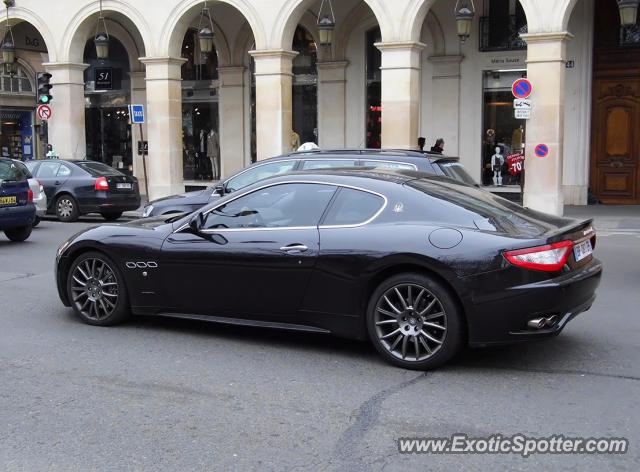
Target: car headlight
x,y
147,211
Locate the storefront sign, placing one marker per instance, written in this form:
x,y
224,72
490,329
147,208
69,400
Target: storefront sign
x,y
515,163
103,78
506,61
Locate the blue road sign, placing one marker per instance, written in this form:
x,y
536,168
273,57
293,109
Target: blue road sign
x,y
542,150
136,112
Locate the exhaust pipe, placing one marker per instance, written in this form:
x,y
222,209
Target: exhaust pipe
x,y
539,323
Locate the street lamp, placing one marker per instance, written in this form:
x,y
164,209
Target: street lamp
x,y
101,39
205,32
326,24
464,12
628,12
9,45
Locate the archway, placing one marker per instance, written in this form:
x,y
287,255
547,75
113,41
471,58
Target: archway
x,y
22,135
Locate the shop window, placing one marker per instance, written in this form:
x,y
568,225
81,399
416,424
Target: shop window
x,y
501,26
305,90
374,90
504,135
17,83
200,130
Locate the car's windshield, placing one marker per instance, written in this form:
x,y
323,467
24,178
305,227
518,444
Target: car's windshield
x,y
24,169
9,171
456,171
98,169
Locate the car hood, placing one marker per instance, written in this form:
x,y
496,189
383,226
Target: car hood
x,y
153,222
186,197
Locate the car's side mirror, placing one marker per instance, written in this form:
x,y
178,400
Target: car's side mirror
x,y
196,223
219,189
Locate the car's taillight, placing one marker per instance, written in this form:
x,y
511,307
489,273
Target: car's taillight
x,y
41,186
29,196
549,258
102,184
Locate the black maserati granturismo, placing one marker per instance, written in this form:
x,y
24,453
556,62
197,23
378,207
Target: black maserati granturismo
x,y
417,264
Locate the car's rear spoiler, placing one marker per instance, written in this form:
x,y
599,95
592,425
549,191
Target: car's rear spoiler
x,y
585,227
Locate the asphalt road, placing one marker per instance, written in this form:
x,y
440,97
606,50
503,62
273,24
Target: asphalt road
x,y
158,394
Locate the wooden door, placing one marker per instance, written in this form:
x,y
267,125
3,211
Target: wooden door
x,y
615,160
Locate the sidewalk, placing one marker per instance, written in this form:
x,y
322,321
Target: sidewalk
x,y
624,218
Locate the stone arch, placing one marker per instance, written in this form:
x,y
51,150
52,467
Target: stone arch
x,y
83,24
179,21
245,41
18,14
292,12
433,30
360,14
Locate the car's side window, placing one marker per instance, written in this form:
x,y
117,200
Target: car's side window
x,y
388,165
278,206
63,171
48,170
327,164
256,173
352,207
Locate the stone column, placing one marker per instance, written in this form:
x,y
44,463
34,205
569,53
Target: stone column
x,y
274,117
400,93
138,96
332,100
445,108
231,119
164,125
546,56
66,127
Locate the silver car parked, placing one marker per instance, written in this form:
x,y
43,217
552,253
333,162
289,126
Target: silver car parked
x,y
39,197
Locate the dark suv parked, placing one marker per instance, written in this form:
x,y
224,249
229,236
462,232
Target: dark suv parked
x,y
309,160
17,211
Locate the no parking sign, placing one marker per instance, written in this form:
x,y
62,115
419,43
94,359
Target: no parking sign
x,y
541,150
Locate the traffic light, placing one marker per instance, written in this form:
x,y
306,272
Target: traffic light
x,y
44,88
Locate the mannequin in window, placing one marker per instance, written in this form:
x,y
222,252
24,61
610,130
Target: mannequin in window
x,y
295,140
497,160
213,153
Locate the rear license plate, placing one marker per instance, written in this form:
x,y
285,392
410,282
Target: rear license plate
x,y
8,200
124,186
582,250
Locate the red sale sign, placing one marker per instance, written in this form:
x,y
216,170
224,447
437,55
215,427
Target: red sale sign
x,y
515,163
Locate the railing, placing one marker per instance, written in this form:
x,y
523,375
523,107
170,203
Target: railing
x,y
508,40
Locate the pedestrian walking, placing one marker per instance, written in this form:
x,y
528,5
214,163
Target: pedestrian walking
x,y
51,154
438,147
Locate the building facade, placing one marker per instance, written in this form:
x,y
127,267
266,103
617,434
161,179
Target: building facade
x,y
395,70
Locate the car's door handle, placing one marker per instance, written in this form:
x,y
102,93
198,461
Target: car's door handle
x,y
294,248
57,182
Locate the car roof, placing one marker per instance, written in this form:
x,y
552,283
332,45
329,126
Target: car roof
x,y
343,175
381,154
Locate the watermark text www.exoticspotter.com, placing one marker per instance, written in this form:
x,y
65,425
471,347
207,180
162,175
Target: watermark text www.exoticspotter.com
x,y
517,444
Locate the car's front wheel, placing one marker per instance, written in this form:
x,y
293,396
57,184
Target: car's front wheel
x,y
414,322
111,216
66,208
96,290
36,222
18,234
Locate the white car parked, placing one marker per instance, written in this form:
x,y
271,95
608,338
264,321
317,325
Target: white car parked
x,y
39,197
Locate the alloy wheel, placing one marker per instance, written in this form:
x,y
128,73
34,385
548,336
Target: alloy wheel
x,y
65,208
94,289
410,322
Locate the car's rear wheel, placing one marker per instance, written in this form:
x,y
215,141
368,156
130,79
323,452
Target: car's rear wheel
x,y
66,208
414,322
96,290
111,216
36,221
18,234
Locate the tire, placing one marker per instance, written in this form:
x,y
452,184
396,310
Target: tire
x,y
66,208
430,309
36,221
96,290
20,234
111,216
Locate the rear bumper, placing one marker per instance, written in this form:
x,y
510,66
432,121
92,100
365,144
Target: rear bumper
x,y
17,216
504,320
41,205
108,202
